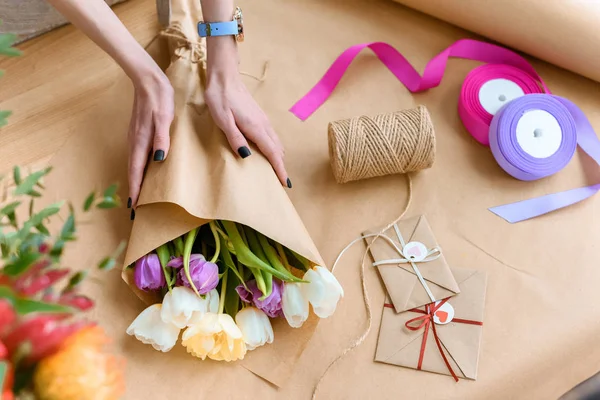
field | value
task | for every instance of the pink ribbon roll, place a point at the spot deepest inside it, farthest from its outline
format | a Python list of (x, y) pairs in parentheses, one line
[(477, 117)]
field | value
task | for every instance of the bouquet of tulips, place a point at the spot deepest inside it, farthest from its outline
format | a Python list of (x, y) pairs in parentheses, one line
[(221, 284), (47, 350)]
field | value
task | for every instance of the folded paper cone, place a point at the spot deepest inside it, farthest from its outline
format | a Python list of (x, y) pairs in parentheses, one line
[(202, 179)]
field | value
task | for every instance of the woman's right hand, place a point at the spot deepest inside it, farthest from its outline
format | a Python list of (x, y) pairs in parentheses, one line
[(152, 114)]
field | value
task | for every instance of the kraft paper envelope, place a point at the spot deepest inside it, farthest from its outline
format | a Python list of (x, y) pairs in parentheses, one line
[(460, 338), (401, 281)]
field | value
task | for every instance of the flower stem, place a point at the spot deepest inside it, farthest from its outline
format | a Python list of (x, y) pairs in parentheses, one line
[(217, 241), (163, 256), (282, 255), (178, 242), (187, 252), (223, 292)]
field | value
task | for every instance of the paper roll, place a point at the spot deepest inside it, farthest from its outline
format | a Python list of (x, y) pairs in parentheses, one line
[(564, 33)]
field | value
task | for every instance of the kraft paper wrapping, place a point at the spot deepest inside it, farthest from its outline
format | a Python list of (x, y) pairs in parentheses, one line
[(541, 313), (564, 33)]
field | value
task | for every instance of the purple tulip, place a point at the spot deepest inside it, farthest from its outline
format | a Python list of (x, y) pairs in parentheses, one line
[(271, 305), (204, 274), (148, 274)]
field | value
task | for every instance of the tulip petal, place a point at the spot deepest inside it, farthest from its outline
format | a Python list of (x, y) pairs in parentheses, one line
[(149, 328), (180, 305), (294, 304)]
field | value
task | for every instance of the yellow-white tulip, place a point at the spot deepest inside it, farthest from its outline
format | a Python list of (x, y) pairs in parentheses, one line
[(149, 328), (215, 336), (294, 304), (323, 291), (255, 326)]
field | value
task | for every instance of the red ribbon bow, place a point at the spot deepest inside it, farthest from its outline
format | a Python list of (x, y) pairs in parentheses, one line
[(426, 321)]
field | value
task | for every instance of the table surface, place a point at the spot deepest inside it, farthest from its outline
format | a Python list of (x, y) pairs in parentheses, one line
[(60, 74)]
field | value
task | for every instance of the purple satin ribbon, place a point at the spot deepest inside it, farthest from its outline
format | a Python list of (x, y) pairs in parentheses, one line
[(576, 130)]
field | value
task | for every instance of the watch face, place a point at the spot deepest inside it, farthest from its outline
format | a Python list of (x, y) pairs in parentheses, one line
[(240, 21)]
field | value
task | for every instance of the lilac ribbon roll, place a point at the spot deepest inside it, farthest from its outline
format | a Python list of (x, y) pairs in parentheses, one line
[(536, 136)]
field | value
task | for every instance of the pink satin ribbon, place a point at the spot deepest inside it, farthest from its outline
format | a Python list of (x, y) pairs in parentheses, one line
[(406, 73)]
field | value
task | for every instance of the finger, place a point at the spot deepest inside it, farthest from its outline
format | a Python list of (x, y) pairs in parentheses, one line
[(236, 139), (275, 138), (275, 156), (138, 158), (162, 140)]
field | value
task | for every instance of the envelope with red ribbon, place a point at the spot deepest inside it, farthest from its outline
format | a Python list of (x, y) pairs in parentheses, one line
[(411, 264), (442, 337)]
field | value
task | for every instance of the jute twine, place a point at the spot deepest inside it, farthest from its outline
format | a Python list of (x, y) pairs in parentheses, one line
[(365, 147)]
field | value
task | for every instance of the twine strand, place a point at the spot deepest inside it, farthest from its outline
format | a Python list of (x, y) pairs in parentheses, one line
[(366, 298)]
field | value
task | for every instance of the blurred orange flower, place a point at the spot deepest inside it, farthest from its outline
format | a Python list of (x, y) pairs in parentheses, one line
[(81, 370)]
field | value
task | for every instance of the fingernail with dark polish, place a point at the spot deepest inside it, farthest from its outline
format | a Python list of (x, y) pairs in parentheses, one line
[(289, 183), (129, 202), (159, 155), (132, 217), (244, 152)]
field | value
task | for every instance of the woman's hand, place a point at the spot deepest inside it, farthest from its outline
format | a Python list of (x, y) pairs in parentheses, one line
[(152, 114), (235, 111)]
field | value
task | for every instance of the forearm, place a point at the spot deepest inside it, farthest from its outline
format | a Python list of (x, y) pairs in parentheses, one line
[(100, 24), (222, 55)]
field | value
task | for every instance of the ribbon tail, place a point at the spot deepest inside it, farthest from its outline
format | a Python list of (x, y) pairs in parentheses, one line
[(527, 209)]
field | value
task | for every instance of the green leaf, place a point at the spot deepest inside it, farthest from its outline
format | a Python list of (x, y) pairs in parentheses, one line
[(30, 181), (6, 42), (111, 190), (68, 229), (225, 256), (17, 175), (107, 202), (246, 257), (42, 229), (47, 212), (27, 306), (57, 249), (34, 193), (117, 253), (76, 279), (7, 293), (3, 372), (107, 263), (31, 208), (21, 264), (89, 201), (10, 208)]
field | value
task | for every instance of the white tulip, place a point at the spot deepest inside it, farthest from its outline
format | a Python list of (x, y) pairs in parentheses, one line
[(255, 326), (294, 304), (182, 306), (323, 291), (149, 328)]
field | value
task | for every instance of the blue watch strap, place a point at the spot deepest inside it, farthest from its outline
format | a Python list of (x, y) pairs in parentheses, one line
[(217, 28)]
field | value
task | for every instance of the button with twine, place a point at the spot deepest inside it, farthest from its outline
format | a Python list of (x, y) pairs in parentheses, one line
[(385, 144)]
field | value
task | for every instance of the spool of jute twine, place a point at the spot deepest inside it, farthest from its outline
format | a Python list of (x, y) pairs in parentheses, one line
[(369, 146), (365, 147)]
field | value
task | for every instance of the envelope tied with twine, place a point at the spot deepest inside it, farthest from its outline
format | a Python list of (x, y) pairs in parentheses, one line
[(411, 264), (442, 337)]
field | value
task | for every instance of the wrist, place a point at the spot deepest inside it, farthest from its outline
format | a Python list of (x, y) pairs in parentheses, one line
[(222, 56)]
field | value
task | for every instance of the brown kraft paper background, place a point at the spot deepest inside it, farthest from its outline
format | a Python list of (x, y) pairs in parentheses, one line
[(562, 32), (541, 313)]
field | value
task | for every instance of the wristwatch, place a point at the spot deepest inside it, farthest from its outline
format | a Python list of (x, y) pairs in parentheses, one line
[(235, 27)]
